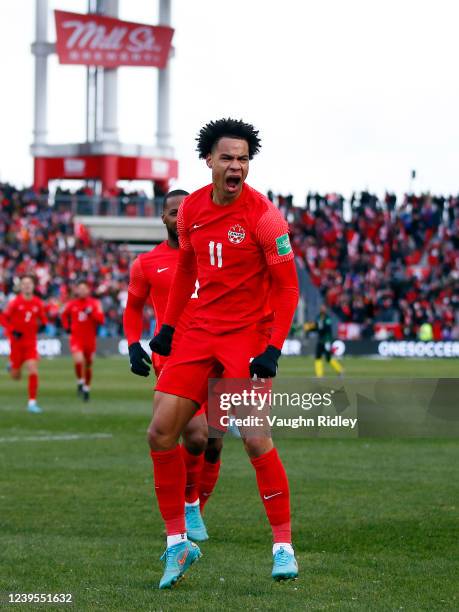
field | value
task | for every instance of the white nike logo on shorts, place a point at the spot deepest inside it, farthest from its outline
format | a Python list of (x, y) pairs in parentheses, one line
[(161, 269)]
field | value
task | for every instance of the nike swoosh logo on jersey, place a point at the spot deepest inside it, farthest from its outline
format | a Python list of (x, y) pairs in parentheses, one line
[(273, 495), (161, 269), (196, 226)]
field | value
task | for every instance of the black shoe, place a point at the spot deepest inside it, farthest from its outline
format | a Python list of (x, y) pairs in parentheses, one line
[(85, 395), (80, 390)]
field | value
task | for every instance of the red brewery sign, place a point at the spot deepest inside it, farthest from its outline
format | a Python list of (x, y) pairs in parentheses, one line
[(94, 40)]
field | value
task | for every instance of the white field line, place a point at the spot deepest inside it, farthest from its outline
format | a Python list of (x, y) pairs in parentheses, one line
[(61, 437)]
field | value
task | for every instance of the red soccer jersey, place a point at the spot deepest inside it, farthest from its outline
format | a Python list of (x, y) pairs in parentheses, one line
[(151, 276), (82, 316), (233, 246), (25, 316)]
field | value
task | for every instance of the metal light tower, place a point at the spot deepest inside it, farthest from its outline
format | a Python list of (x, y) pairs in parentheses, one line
[(102, 157), (163, 136)]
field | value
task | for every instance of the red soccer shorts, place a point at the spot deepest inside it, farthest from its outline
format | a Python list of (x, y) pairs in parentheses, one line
[(201, 355), (22, 351), (83, 345), (159, 361)]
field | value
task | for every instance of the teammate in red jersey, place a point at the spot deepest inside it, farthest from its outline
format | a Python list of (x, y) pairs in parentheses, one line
[(24, 317), (150, 278), (232, 239), (81, 318)]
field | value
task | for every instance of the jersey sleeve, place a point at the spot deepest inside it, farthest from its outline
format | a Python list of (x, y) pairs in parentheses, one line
[(272, 235), (132, 318), (98, 313), (66, 317), (284, 300), (184, 237), (138, 284), (8, 314)]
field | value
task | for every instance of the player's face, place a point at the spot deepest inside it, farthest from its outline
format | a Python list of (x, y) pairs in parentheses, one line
[(229, 162), (169, 215), (27, 287), (82, 290)]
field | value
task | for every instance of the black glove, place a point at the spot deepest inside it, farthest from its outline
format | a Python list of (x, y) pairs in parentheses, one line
[(162, 342), (17, 334), (265, 365), (139, 359)]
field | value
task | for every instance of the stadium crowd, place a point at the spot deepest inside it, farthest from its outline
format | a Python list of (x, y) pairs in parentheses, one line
[(385, 263), (373, 261), (44, 240)]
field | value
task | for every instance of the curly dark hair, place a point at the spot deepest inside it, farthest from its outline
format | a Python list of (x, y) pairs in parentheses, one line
[(211, 133)]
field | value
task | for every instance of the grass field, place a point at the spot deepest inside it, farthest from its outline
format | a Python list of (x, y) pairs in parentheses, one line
[(375, 521)]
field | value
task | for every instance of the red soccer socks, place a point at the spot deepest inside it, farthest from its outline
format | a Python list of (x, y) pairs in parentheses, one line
[(193, 467), (274, 492), (170, 479), (207, 482)]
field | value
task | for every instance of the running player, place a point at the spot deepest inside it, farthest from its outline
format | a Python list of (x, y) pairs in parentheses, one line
[(81, 317), (323, 327), (150, 278), (24, 317), (232, 239)]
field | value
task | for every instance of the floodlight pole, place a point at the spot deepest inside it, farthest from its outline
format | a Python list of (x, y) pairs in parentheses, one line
[(41, 52), (110, 102), (163, 135)]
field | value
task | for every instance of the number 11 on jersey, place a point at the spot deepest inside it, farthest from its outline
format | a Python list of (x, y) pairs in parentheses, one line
[(215, 247)]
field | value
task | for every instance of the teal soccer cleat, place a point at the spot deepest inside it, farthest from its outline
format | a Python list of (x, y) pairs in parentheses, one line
[(34, 408), (285, 565), (195, 527), (178, 559)]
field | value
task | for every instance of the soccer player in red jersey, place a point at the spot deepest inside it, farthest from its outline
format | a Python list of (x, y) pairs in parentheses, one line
[(24, 317), (81, 317), (150, 278), (232, 239)]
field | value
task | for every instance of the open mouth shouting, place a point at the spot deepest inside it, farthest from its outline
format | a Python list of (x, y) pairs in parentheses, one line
[(233, 182)]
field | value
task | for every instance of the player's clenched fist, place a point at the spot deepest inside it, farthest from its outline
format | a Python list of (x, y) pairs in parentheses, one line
[(139, 359), (162, 342), (265, 365)]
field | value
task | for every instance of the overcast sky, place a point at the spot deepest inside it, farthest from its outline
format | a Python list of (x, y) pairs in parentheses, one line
[(347, 94)]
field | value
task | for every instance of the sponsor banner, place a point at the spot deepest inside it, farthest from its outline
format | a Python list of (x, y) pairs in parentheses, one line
[(54, 347), (47, 347), (405, 349), (413, 348), (96, 40), (333, 408)]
